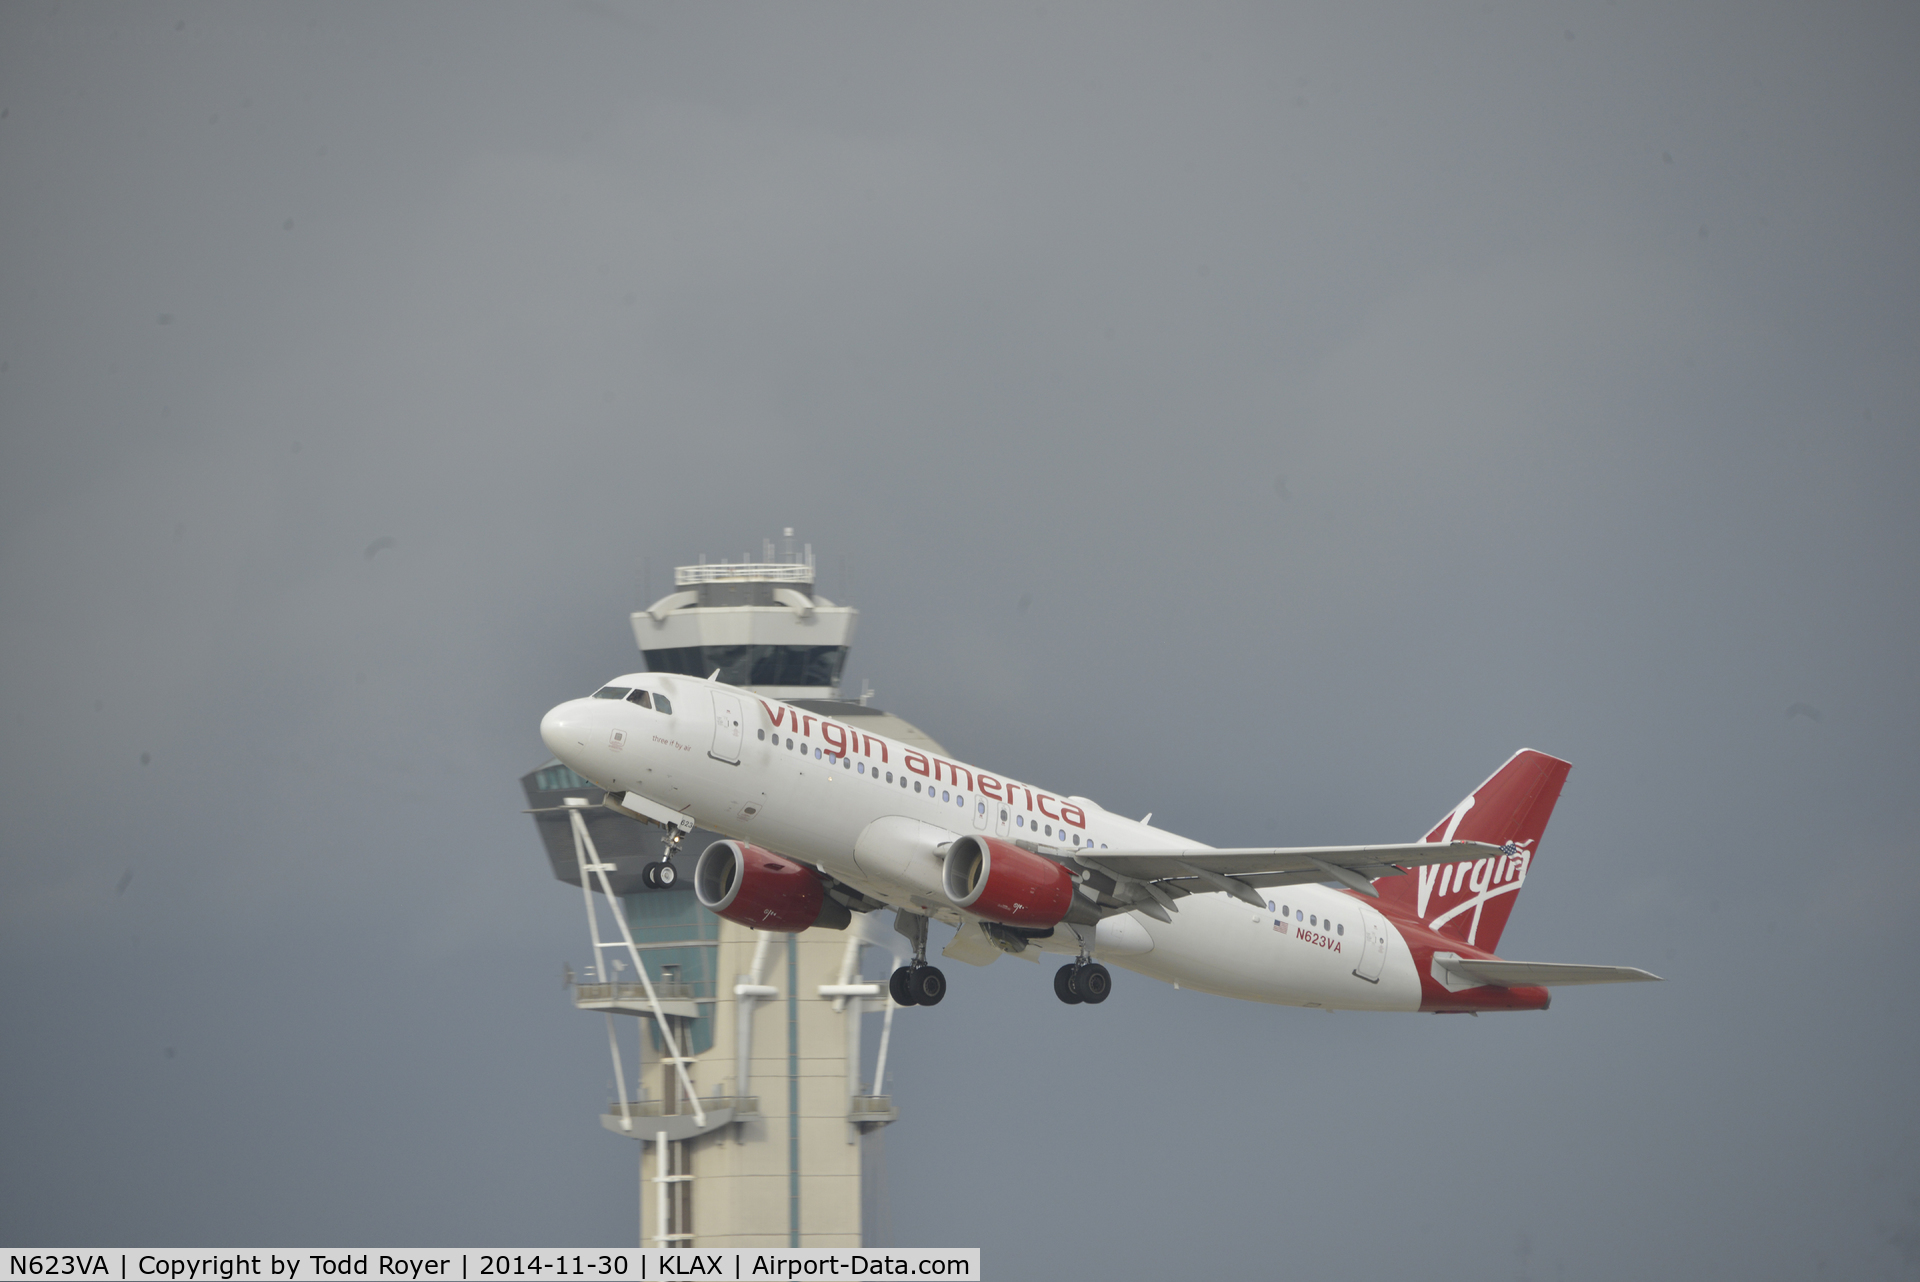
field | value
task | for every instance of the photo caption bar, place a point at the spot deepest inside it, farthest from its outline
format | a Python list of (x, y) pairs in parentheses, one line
[(465, 1264)]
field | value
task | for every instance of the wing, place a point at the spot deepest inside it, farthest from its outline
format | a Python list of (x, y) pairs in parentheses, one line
[(1512, 974), (1160, 876)]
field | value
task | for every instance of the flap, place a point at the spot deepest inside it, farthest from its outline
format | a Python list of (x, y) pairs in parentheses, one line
[(1282, 865), (971, 945)]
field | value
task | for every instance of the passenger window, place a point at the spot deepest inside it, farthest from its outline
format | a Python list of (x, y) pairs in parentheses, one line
[(763, 735), (789, 745), (612, 692), (889, 776), (945, 795), (981, 808), (1019, 821), (660, 704), (1341, 929), (861, 768), (916, 785), (640, 697), (1313, 921)]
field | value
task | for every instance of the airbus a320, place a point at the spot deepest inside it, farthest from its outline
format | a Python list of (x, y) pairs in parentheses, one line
[(821, 821)]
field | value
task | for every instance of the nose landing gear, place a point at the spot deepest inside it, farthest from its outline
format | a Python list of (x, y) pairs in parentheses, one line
[(661, 875)]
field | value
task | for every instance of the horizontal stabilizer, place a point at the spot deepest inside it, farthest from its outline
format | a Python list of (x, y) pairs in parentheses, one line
[(1514, 974)]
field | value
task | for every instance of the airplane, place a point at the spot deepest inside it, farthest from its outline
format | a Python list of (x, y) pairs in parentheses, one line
[(821, 820)]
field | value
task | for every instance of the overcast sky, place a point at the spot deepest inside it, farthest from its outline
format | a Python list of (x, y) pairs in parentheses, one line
[(1267, 416)]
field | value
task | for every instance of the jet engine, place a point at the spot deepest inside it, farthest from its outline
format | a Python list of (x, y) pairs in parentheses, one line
[(1004, 883), (760, 889)]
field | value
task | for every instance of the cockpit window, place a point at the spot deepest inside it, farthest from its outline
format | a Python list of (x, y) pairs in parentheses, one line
[(660, 704), (639, 697), (612, 692)]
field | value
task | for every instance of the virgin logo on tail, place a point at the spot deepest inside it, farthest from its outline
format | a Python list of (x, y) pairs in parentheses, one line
[(1476, 882), (1509, 812)]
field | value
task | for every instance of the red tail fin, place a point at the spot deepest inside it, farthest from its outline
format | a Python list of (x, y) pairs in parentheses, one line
[(1471, 901)]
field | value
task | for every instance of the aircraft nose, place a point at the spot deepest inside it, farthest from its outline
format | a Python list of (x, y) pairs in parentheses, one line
[(561, 730)]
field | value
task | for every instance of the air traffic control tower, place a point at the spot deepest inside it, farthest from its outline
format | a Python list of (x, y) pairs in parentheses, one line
[(751, 1066)]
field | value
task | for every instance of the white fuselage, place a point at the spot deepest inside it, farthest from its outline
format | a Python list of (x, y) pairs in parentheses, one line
[(874, 812)]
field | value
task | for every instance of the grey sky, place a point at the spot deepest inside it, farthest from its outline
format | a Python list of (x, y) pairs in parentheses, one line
[(1270, 417)]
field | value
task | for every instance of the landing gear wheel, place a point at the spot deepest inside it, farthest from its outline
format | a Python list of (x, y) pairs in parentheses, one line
[(1063, 985), (647, 876), (929, 985), (900, 985), (1093, 983), (664, 875)]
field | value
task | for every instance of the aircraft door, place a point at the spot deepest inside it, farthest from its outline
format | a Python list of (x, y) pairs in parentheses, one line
[(1373, 945), (980, 807), (1002, 816), (727, 727)]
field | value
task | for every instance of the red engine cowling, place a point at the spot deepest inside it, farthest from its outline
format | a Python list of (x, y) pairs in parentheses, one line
[(1006, 884), (760, 889)]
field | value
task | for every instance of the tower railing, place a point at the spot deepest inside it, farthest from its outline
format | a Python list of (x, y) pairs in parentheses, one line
[(687, 576)]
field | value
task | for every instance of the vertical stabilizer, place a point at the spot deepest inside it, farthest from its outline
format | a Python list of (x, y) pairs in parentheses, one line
[(1471, 900)]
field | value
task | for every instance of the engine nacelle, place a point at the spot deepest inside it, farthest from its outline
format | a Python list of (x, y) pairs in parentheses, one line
[(1004, 883), (760, 889)]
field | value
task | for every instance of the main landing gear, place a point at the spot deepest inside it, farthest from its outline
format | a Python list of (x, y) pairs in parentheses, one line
[(918, 984), (1082, 981)]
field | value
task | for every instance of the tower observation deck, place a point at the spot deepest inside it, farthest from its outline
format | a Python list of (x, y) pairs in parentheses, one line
[(759, 1127), (761, 624)]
